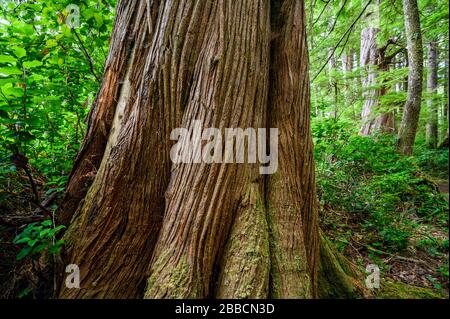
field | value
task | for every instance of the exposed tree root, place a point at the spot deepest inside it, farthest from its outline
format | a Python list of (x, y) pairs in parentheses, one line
[(338, 278)]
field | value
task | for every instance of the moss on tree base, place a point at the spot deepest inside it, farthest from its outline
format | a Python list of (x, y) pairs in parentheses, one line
[(399, 290)]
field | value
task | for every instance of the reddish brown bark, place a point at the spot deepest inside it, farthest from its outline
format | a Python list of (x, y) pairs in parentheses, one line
[(120, 216), (292, 207), (102, 113), (192, 229)]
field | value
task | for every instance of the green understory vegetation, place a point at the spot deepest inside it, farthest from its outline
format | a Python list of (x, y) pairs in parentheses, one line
[(379, 206)]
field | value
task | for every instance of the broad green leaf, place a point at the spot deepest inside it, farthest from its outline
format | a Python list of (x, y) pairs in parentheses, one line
[(32, 242), (7, 59), (8, 80), (23, 253), (98, 19), (47, 222), (44, 232), (14, 91), (51, 43), (37, 77), (40, 248), (19, 52), (32, 64), (10, 70), (22, 240)]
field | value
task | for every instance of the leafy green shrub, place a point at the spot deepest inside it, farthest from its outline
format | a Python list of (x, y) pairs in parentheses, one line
[(365, 176), (38, 236), (395, 238), (443, 271), (431, 161)]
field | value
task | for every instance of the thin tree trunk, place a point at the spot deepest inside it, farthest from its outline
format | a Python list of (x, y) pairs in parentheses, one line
[(432, 121), (411, 110), (347, 68), (445, 116), (333, 83)]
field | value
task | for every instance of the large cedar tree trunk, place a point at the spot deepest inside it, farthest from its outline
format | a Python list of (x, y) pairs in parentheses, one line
[(141, 226)]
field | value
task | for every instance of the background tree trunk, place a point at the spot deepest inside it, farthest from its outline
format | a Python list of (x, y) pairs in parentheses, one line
[(373, 60), (445, 117), (368, 57), (432, 121), (333, 83), (201, 230), (411, 110), (347, 68)]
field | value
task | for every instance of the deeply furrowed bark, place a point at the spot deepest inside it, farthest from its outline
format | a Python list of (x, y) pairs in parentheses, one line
[(227, 94), (196, 230), (291, 201), (102, 113), (121, 215)]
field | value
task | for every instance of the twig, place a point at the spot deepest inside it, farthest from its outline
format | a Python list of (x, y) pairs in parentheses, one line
[(35, 192), (21, 161), (323, 10), (33, 185), (21, 220), (337, 17), (417, 261), (88, 57), (342, 38), (46, 202)]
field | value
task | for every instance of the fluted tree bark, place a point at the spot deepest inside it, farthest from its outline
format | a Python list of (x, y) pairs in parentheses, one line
[(143, 226)]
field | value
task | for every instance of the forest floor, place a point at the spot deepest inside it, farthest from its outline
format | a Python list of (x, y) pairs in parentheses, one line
[(17, 277), (443, 188), (420, 264)]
